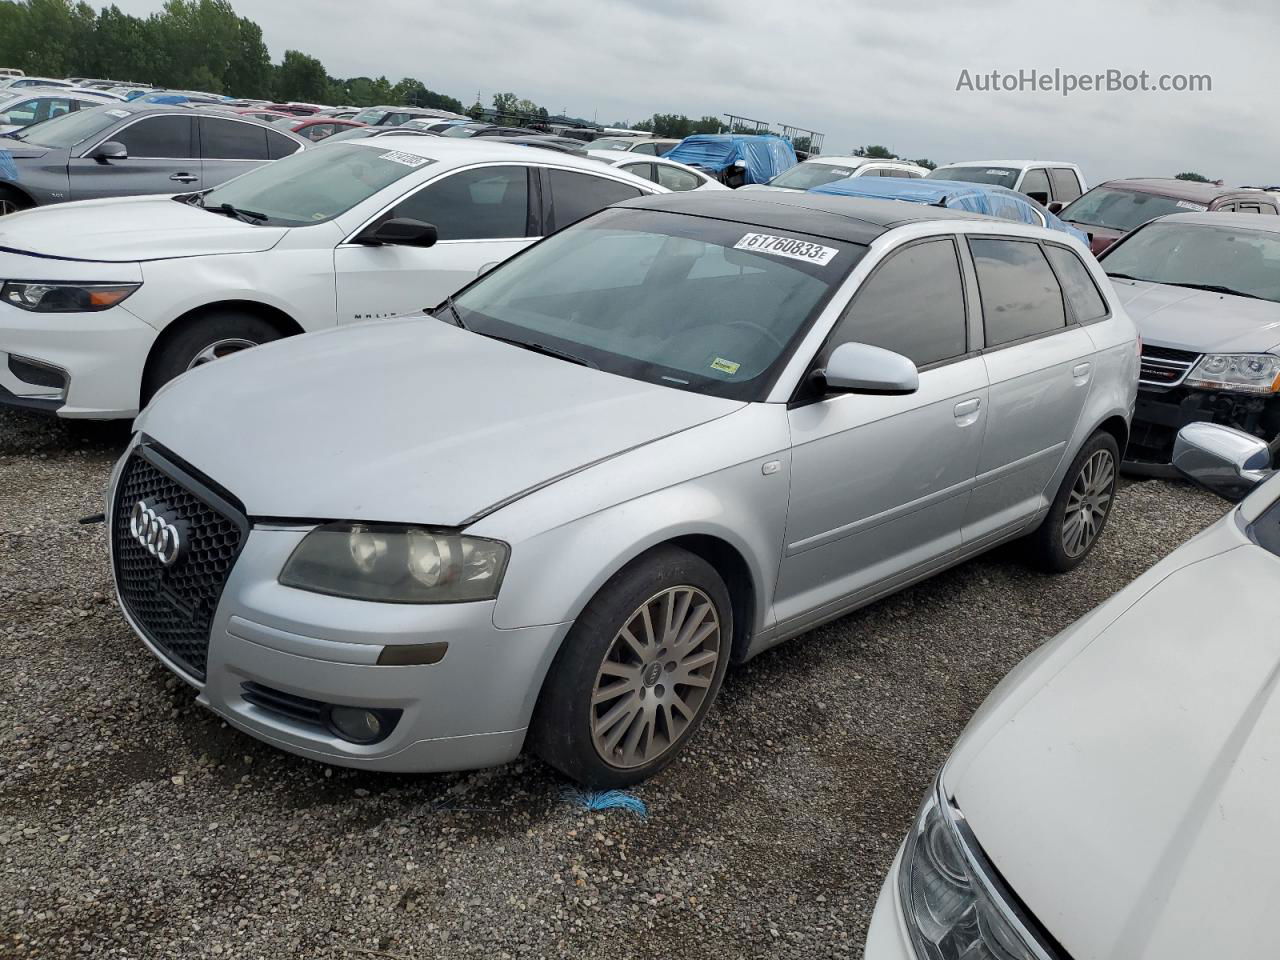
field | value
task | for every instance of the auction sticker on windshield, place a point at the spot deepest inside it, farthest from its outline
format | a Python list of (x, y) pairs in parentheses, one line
[(1190, 205), (787, 247), (408, 159)]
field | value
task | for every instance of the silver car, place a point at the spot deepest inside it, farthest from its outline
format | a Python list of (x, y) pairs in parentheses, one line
[(655, 443)]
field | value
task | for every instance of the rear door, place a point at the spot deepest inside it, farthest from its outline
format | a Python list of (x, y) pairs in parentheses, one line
[(1040, 366), (573, 194), (1065, 184), (483, 215), (163, 158), (231, 147)]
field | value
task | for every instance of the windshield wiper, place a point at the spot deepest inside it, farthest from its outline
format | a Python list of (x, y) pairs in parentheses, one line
[(544, 349), (247, 216), (1217, 288), (457, 317), (1125, 276)]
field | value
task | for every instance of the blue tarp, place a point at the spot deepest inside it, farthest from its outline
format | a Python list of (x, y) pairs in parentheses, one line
[(8, 169), (765, 157), (986, 198), (168, 98)]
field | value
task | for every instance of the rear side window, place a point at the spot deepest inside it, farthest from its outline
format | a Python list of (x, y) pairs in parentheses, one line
[(913, 304), (578, 195), (1036, 181), (648, 148), (1066, 186), (673, 178), (232, 140), (158, 138), (1082, 293), (491, 203), (278, 145), (643, 170), (1020, 295)]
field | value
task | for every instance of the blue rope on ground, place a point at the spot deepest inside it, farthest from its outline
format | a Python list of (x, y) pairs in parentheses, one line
[(607, 800)]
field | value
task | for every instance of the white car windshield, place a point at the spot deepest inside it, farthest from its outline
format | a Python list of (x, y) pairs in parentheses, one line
[(813, 174), (315, 185), (706, 305), (1219, 259)]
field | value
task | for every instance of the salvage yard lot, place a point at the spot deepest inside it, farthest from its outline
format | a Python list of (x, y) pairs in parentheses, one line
[(135, 824)]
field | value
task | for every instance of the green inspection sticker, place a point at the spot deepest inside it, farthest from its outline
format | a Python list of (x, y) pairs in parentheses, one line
[(725, 366)]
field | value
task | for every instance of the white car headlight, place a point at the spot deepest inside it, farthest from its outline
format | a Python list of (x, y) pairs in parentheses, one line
[(1237, 372), (65, 297), (392, 563), (950, 905)]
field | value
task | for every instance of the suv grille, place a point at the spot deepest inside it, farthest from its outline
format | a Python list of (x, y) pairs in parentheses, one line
[(174, 604), (1164, 366)]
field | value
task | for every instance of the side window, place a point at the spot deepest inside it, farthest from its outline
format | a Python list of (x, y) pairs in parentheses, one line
[(914, 175), (1020, 295), (673, 178), (1249, 207), (1225, 208), (874, 172), (279, 145), (901, 174), (1036, 182), (1266, 208), (649, 149), (578, 195), (913, 304), (490, 203), (1082, 293), (158, 138), (232, 140), (1066, 186), (644, 170)]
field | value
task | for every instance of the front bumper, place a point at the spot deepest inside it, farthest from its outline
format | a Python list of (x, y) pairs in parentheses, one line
[(98, 357), (1160, 414), (887, 937), (469, 710)]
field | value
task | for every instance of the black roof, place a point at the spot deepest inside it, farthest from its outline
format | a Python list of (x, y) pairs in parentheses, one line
[(853, 219)]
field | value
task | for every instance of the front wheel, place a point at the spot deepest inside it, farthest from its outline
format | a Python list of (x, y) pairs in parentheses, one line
[(11, 201), (208, 338), (1081, 507), (638, 671)]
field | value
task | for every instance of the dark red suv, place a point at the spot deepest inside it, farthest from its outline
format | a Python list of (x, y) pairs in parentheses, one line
[(1110, 210)]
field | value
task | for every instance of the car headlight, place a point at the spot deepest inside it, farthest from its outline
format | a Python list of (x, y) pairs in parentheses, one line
[(950, 907), (396, 564), (1237, 372), (65, 297)]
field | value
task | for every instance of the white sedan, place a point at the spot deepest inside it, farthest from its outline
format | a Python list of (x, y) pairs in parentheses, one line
[(1115, 795), (104, 301), (676, 177)]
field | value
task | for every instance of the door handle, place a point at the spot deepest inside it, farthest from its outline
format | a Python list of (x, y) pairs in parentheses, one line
[(184, 177), (966, 407), (1081, 371)]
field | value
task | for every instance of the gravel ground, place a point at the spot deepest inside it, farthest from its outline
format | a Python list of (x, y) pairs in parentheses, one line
[(135, 824)]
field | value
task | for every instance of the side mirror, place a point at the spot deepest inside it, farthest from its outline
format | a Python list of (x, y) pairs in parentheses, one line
[(862, 368), (400, 231), (1057, 206), (1227, 461), (111, 150), (1039, 196)]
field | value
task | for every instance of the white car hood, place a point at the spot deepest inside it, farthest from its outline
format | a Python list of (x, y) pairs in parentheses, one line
[(409, 420), (1198, 320), (1130, 799), (130, 229)]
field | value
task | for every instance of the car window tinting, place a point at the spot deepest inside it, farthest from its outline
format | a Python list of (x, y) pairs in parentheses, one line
[(1066, 186), (663, 298), (232, 140), (158, 138), (1177, 252), (1082, 293), (1020, 295), (278, 145), (578, 195), (1036, 182), (489, 203), (913, 304), (673, 178), (642, 170)]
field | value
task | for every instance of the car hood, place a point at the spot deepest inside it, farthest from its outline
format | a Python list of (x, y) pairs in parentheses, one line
[(1099, 237), (131, 229), (408, 420), (19, 151), (1129, 801), (1198, 320)]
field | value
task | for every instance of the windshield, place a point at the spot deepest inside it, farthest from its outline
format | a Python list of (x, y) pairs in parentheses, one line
[(71, 128), (463, 130), (1223, 258), (1000, 176), (315, 185), (613, 143), (372, 115), (812, 174), (1123, 209), (685, 302)]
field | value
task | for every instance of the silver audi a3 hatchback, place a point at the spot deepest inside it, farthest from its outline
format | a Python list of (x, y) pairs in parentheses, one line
[(557, 508)]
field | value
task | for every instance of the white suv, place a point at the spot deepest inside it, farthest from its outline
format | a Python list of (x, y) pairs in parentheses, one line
[(816, 171), (105, 301)]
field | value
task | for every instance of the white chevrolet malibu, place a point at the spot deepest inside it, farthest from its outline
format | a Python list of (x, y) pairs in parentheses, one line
[(1115, 795), (103, 302)]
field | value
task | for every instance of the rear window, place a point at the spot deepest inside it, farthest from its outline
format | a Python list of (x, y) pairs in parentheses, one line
[(1000, 176), (812, 174), (1119, 209)]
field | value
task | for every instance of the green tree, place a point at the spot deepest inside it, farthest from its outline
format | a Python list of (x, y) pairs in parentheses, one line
[(708, 124), (927, 164), (300, 77), (1193, 177), (876, 152)]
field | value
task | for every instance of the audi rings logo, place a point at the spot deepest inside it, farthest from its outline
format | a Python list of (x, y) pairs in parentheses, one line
[(161, 537)]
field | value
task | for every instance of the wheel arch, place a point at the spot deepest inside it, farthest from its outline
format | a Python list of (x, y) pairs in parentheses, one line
[(1118, 427), (13, 188)]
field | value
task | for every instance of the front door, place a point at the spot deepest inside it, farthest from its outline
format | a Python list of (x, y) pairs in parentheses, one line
[(163, 158), (880, 484)]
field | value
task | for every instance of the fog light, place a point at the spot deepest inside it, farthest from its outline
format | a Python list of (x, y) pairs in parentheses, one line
[(358, 724)]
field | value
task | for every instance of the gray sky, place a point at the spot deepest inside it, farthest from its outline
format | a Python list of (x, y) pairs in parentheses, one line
[(861, 72)]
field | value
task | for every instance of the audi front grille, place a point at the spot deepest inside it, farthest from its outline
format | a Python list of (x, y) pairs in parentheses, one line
[(173, 599), (1164, 366)]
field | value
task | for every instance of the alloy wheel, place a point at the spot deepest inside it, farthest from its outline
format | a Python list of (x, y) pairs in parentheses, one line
[(8, 206), (655, 677), (1088, 503), (219, 349)]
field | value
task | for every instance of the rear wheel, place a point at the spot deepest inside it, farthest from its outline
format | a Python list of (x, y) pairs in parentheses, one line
[(1081, 508), (11, 201), (638, 671), (209, 338)]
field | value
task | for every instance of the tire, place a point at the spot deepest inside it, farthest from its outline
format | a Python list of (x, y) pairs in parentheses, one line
[(1067, 534), (212, 336), (574, 734), (11, 201)]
